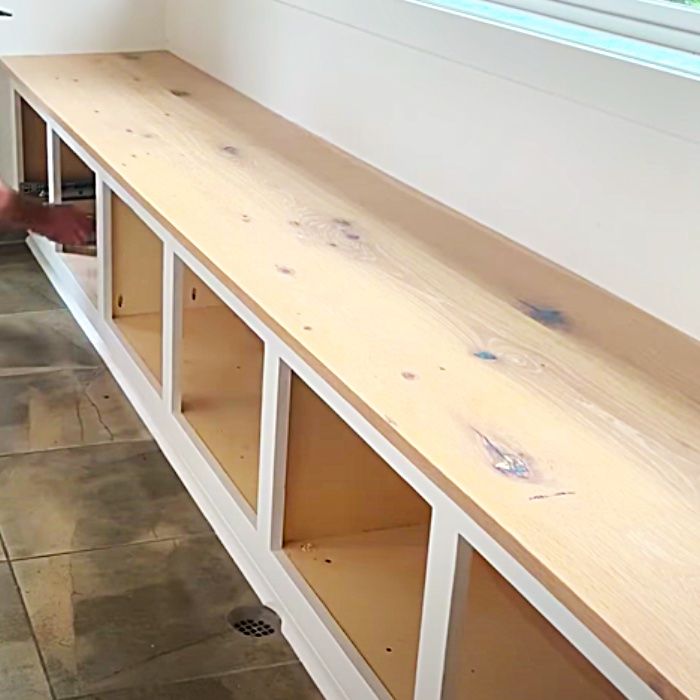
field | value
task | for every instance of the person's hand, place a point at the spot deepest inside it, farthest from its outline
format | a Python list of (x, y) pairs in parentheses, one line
[(61, 223)]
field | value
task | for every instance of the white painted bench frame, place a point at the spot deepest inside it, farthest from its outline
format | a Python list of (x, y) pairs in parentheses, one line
[(255, 541)]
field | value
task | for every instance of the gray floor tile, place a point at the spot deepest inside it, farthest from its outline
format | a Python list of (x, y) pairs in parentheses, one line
[(21, 675), (89, 497), (43, 340), (10, 234), (15, 251), (144, 614), (64, 409), (23, 285), (288, 682)]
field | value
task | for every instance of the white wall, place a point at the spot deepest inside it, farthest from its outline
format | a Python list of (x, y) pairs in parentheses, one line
[(592, 161), (72, 26)]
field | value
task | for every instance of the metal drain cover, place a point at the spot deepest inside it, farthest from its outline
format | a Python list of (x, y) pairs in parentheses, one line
[(254, 621)]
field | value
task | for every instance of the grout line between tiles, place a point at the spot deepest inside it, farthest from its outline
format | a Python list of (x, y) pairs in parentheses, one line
[(182, 681), (118, 545), (73, 447), (27, 371), (59, 309), (85, 446), (40, 656)]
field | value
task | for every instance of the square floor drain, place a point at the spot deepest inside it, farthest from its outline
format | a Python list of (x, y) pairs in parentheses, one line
[(254, 621)]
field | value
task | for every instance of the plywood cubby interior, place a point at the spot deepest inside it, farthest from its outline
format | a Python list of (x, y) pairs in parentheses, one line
[(501, 647), (358, 534), (137, 285), (34, 155), (221, 383)]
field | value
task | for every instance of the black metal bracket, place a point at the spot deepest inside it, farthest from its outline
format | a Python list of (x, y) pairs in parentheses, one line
[(70, 191)]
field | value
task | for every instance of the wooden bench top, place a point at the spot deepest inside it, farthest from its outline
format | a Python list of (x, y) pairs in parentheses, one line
[(563, 420)]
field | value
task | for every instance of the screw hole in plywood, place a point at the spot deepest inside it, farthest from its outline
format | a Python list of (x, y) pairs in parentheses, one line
[(120, 301), (254, 621), (194, 294)]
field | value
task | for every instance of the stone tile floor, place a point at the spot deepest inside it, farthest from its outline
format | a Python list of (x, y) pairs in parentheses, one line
[(112, 585)]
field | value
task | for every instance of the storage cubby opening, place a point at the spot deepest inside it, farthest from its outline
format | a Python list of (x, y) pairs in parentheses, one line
[(78, 180), (137, 285), (78, 190), (34, 157), (500, 646), (358, 534), (221, 383)]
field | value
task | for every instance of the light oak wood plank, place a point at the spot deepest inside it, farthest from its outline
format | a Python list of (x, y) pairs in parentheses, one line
[(564, 421)]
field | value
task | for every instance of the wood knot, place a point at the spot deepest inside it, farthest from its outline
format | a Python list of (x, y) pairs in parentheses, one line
[(505, 462), (547, 316)]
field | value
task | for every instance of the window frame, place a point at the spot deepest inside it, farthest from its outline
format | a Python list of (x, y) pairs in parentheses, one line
[(656, 21), (439, 27)]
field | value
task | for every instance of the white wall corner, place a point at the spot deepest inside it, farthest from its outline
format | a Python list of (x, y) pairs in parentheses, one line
[(39, 27)]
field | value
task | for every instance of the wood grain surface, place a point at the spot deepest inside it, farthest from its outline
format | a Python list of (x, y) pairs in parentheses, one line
[(566, 422)]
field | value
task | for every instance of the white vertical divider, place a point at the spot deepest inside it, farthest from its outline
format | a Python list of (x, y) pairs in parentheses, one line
[(172, 327), (17, 139), (103, 213), (274, 427), (53, 176), (441, 574), (53, 163)]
